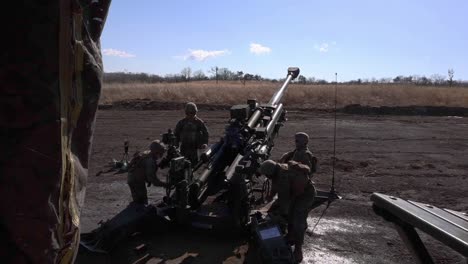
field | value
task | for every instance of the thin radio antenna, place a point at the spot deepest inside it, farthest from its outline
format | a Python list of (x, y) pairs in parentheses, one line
[(332, 193), (334, 135)]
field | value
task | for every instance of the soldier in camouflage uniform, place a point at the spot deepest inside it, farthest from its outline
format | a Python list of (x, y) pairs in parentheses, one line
[(191, 134), (302, 153), (142, 169), (295, 198)]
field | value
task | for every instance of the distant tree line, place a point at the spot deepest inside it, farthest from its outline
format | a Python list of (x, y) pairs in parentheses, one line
[(224, 74), (186, 75)]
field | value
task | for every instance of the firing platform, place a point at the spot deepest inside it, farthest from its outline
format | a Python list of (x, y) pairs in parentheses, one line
[(448, 226)]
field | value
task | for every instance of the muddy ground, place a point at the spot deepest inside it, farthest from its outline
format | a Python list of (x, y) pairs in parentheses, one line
[(422, 158)]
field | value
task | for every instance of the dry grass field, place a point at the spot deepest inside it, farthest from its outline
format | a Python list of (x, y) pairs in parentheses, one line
[(298, 95)]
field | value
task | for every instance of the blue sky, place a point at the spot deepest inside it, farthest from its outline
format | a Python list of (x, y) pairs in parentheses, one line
[(356, 39)]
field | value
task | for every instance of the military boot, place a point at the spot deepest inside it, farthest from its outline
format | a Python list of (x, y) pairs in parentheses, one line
[(298, 253)]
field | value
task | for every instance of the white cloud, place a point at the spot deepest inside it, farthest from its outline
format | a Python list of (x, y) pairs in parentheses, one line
[(201, 55), (117, 53), (257, 49), (324, 47)]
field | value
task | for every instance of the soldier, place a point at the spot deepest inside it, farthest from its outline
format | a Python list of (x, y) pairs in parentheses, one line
[(142, 169), (295, 198), (302, 153), (191, 133)]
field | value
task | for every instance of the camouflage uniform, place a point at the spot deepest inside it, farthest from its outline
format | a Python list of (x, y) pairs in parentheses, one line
[(143, 171), (301, 154), (51, 74), (296, 195), (191, 133)]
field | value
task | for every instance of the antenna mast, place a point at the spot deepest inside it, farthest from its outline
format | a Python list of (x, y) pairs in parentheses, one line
[(334, 136)]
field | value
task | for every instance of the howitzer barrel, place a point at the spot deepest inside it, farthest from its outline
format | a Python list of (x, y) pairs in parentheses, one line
[(253, 120), (274, 120), (293, 72), (232, 167)]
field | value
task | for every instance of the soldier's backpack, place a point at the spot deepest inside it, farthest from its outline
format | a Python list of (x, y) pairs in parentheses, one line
[(137, 158)]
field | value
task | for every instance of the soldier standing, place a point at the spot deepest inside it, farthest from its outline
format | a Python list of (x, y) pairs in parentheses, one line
[(302, 153), (191, 133), (142, 169), (295, 198)]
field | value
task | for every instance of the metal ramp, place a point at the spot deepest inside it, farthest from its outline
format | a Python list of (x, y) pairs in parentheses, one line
[(447, 226)]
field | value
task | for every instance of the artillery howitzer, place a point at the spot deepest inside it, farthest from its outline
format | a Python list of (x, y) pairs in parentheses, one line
[(227, 168), (225, 174)]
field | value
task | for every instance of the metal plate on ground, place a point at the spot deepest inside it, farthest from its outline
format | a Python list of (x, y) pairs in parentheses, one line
[(448, 226)]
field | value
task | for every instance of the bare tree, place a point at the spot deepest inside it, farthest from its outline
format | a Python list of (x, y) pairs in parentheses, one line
[(186, 73), (247, 77), (239, 75), (225, 74), (450, 76), (398, 79), (302, 79), (385, 80), (199, 75), (214, 70), (421, 80), (437, 79)]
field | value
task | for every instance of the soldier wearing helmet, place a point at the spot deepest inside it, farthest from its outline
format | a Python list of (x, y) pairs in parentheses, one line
[(302, 153), (142, 169), (191, 133), (295, 198)]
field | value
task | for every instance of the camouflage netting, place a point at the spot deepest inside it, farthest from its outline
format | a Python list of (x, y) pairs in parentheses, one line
[(50, 76)]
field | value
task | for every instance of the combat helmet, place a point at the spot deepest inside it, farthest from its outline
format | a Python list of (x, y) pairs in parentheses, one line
[(268, 168), (302, 139), (157, 146), (191, 108)]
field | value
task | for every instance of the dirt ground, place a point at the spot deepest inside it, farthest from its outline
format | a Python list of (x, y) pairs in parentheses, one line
[(421, 158)]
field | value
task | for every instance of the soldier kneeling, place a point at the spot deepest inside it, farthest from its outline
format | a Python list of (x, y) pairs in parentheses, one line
[(295, 198), (142, 169)]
